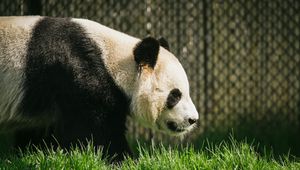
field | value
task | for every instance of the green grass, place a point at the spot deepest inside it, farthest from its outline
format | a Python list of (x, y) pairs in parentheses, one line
[(226, 155)]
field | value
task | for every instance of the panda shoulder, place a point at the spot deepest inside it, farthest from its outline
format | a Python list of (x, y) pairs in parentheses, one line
[(93, 27), (25, 22)]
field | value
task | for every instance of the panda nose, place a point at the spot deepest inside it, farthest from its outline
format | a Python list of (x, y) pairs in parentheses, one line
[(192, 121)]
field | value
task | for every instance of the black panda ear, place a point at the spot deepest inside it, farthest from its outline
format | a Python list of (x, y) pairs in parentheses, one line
[(164, 43), (146, 52)]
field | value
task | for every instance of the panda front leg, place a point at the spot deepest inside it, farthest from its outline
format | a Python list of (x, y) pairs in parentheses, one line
[(86, 126), (118, 147)]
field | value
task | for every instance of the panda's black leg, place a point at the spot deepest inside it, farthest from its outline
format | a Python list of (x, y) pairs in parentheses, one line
[(119, 148), (72, 132), (102, 134), (23, 138), (40, 137)]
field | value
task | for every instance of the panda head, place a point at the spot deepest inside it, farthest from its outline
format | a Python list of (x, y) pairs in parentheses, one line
[(161, 97)]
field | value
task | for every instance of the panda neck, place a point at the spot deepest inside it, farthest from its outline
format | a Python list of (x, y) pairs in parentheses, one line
[(117, 49)]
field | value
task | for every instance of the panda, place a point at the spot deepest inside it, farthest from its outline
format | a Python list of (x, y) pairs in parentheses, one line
[(82, 79)]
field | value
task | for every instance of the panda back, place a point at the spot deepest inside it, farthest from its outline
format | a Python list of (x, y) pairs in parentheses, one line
[(62, 68)]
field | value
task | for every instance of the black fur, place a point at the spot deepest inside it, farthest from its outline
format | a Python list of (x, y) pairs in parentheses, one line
[(173, 98), (66, 80), (146, 52), (164, 43)]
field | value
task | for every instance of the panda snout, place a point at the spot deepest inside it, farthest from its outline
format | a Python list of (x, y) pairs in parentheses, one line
[(182, 126), (173, 126), (192, 121)]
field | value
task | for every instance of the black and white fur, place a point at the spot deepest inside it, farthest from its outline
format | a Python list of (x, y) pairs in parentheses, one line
[(81, 79)]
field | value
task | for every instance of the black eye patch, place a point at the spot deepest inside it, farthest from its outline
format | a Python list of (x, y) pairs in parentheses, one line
[(173, 98)]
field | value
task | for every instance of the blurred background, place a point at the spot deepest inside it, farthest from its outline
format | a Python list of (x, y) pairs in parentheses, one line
[(242, 58)]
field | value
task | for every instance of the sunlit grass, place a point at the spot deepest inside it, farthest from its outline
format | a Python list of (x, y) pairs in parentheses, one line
[(226, 155)]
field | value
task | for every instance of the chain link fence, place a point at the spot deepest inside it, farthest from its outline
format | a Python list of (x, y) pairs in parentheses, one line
[(242, 57)]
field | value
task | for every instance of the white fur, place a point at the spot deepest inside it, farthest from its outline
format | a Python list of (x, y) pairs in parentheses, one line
[(154, 87), (117, 52), (150, 89), (14, 33)]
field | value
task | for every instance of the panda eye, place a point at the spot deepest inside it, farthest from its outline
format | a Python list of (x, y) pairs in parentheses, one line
[(173, 98)]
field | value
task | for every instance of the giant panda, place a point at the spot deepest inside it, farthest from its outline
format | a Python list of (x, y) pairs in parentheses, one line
[(83, 79)]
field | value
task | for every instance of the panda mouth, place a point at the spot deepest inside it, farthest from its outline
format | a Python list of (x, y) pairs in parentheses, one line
[(173, 126)]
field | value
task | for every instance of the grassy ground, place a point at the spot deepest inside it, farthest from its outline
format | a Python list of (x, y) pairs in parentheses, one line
[(226, 155)]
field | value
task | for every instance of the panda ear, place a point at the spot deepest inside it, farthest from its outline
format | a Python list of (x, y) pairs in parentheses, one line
[(146, 52), (164, 43)]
